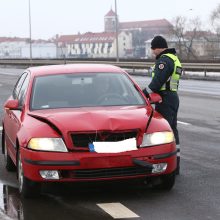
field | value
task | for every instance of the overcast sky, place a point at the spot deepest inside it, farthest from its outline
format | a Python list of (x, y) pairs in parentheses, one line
[(51, 17)]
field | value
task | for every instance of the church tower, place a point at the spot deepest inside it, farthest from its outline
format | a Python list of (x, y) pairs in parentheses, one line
[(110, 21)]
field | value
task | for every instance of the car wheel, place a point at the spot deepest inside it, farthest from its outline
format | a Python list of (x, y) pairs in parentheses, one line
[(178, 166), (9, 164), (27, 188), (12, 204), (166, 182)]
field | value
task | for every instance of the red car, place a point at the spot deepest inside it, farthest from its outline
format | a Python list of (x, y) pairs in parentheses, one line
[(84, 122)]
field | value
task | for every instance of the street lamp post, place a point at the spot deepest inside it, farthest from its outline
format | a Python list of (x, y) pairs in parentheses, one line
[(30, 30), (116, 31)]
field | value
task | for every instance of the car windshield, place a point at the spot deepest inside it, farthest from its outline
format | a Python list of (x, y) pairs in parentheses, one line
[(81, 90)]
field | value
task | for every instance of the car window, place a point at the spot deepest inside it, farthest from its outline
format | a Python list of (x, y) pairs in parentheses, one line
[(81, 90), (18, 85), (23, 90)]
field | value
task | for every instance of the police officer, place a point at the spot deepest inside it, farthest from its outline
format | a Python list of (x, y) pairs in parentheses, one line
[(165, 81)]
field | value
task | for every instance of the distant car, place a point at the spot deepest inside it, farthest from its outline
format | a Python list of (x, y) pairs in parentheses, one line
[(84, 122)]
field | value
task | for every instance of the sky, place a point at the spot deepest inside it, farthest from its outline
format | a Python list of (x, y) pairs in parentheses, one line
[(51, 17)]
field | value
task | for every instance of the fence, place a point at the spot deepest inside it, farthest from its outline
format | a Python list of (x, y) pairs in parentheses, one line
[(131, 65)]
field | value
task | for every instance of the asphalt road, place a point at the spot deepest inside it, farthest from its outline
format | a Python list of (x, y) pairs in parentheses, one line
[(195, 195)]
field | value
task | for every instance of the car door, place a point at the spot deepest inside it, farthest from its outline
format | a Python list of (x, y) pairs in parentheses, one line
[(12, 119)]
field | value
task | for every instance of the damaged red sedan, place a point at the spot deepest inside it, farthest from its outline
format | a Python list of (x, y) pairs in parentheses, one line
[(84, 122)]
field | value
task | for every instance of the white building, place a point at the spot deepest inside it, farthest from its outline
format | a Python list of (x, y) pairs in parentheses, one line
[(20, 48), (95, 45), (40, 50), (11, 49)]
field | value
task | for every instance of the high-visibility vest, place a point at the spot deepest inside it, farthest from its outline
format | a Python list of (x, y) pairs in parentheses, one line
[(173, 81)]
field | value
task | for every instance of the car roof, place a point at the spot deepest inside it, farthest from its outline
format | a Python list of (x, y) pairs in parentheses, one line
[(74, 68)]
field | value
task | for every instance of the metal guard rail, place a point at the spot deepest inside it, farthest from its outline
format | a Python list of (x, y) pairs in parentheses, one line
[(204, 67)]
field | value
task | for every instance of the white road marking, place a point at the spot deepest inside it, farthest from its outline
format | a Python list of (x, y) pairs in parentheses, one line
[(117, 210), (183, 123)]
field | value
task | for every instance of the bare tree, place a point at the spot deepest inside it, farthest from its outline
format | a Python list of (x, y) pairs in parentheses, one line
[(214, 43), (215, 20), (187, 32), (179, 25), (194, 34)]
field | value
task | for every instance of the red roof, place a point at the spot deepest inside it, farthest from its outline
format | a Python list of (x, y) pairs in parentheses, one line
[(19, 39), (12, 39), (66, 38), (89, 37), (111, 13), (144, 24)]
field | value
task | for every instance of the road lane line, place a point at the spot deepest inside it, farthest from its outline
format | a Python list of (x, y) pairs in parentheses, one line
[(183, 123), (117, 210)]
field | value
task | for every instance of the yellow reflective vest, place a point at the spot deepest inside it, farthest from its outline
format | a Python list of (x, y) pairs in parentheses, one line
[(173, 81)]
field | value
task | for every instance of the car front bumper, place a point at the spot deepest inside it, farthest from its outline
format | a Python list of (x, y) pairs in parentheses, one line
[(91, 166)]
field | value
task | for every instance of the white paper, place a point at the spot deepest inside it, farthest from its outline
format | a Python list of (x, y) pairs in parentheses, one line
[(115, 147)]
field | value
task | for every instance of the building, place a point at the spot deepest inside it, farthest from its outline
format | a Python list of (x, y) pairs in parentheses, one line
[(140, 30), (110, 21), (172, 41), (196, 45), (203, 44), (20, 48), (95, 45), (12, 47), (40, 49), (149, 27)]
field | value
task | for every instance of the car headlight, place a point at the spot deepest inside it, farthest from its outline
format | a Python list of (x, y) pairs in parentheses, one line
[(47, 144), (157, 138)]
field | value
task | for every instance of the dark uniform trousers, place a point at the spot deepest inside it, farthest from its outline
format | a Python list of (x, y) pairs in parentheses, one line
[(168, 108)]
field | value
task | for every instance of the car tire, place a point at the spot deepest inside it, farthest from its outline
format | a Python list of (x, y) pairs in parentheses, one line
[(12, 205), (166, 182), (178, 166), (9, 164), (27, 188)]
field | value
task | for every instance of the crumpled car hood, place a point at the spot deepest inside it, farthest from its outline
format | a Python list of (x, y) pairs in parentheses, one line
[(96, 119)]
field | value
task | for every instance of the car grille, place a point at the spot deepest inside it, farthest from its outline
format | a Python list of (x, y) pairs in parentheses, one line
[(106, 173), (83, 140)]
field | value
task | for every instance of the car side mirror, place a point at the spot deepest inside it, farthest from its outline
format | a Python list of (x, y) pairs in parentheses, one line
[(12, 104), (155, 98)]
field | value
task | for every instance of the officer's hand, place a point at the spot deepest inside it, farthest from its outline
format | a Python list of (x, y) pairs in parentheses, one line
[(146, 93)]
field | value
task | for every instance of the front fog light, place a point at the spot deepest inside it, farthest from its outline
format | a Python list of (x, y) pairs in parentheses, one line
[(50, 174), (159, 167)]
